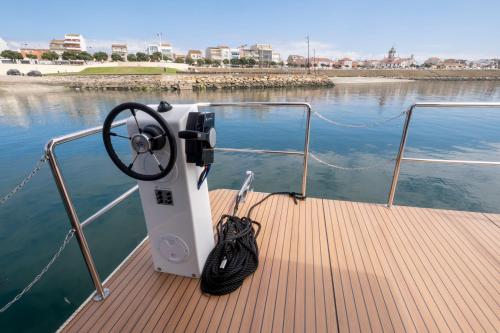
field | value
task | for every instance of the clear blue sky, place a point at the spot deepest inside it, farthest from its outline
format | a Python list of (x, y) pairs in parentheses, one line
[(362, 28)]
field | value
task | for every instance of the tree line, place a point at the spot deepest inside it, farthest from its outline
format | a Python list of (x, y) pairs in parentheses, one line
[(139, 56)]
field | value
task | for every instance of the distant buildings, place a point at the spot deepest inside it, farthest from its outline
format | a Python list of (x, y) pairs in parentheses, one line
[(235, 54), (276, 57), (164, 48), (432, 62), (248, 53), (34, 52), (258, 54), (120, 49), (318, 62), (370, 64), (486, 64), (71, 42), (321, 62), (74, 42), (218, 53), (264, 53), (194, 55), (261, 53), (345, 63), (57, 46), (296, 60), (180, 57), (392, 61), (453, 64), (437, 63)]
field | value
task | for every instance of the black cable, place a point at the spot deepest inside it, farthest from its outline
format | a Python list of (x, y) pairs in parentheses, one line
[(203, 175), (236, 254)]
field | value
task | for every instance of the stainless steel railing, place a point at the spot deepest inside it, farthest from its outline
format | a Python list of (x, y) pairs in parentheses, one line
[(305, 153), (400, 158), (101, 292)]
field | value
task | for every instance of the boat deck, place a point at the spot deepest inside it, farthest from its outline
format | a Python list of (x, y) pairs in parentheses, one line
[(326, 266)]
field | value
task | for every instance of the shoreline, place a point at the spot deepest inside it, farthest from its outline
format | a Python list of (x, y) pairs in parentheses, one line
[(201, 82), (366, 80), (177, 82)]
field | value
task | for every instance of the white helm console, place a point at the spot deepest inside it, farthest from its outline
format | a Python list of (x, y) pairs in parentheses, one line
[(172, 151)]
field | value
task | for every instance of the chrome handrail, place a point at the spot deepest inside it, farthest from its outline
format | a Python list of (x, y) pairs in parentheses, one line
[(101, 292), (400, 158)]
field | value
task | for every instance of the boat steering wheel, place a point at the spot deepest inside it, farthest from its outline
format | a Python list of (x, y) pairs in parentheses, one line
[(146, 141)]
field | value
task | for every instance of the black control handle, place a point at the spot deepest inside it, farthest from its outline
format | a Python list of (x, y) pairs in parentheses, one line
[(193, 135)]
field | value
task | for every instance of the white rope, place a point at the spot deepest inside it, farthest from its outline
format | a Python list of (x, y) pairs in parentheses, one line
[(317, 159), (378, 123)]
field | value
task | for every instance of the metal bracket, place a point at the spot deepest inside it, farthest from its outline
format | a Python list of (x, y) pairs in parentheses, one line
[(99, 298), (245, 188)]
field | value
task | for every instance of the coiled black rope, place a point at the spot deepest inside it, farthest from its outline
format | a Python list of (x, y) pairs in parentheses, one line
[(236, 254)]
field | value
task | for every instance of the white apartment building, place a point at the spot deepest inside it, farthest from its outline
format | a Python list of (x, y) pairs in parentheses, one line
[(194, 55), (249, 54), (74, 42), (235, 54), (345, 63), (57, 46), (152, 48), (264, 51), (219, 53), (120, 49), (276, 57), (165, 49), (259, 52)]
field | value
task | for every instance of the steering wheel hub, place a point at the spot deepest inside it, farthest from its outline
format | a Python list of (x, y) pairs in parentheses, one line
[(140, 143)]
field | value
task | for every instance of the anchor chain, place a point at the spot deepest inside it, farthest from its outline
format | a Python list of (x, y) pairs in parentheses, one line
[(25, 181), (67, 239)]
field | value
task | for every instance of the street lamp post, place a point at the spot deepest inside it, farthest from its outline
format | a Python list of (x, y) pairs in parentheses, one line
[(315, 68), (159, 47), (308, 59)]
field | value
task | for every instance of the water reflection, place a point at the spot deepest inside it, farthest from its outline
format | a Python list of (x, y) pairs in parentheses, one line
[(88, 107)]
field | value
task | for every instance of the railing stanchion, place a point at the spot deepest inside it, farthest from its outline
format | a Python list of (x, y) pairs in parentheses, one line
[(101, 292), (399, 158), (306, 150)]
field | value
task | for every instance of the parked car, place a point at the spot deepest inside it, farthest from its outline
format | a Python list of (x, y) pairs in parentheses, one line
[(13, 72), (34, 73)]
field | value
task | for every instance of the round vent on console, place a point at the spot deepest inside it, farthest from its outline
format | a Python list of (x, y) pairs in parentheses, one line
[(173, 248)]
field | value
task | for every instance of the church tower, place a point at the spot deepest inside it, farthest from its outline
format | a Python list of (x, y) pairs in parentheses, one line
[(392, 53)]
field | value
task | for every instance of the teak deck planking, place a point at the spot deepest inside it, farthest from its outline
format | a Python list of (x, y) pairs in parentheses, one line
[(325, 266)]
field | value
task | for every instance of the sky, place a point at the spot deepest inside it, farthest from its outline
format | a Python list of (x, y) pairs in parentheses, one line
[(361, 29)]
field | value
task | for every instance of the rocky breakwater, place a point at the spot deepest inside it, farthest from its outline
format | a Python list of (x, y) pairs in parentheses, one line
[(258, 81), (188, 82)]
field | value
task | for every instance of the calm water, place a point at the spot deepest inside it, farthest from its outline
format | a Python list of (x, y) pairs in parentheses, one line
[(34, 223)]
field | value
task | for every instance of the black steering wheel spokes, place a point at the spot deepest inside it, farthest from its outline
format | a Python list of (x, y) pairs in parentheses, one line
[(132, 110), (157, 160), (146, 141), (119, 136)]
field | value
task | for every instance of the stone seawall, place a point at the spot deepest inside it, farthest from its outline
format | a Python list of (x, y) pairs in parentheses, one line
[(186, 82), (412, 74)]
